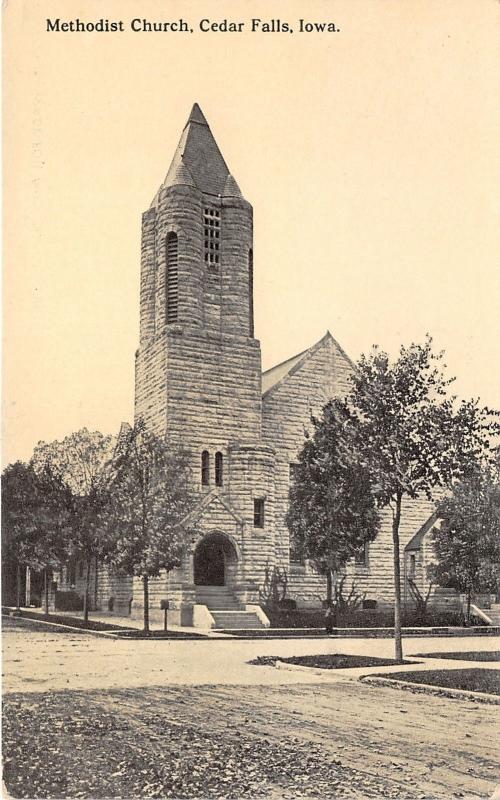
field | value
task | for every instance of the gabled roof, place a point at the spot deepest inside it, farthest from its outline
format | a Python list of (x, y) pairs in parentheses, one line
[(275, 374), (198, 161), (278, 374), (415, 542)]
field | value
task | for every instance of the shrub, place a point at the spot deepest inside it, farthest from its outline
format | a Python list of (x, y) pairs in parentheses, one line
[(68, 601)]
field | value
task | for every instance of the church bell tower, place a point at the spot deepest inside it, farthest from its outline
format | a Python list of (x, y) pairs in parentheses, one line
[(198, 366)]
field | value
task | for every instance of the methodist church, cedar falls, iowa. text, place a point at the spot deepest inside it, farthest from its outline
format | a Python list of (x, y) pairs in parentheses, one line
[(205, 25)]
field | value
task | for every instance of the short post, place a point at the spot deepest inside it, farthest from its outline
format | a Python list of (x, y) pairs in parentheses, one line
[(164, 606), (28, 586)]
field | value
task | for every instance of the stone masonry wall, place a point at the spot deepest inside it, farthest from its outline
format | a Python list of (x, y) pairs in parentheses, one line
[(252, 477), (286, 413), (213, 388), (287, 408)]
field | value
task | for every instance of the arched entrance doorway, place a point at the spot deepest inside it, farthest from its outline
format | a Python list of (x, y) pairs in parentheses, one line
[(214, 561)]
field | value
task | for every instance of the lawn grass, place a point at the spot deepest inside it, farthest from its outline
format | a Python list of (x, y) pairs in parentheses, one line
[(476, 655), (333, 661), (470, 680), (156, 634), (37, 625), (361, 618), (20, 624), (67, 621)]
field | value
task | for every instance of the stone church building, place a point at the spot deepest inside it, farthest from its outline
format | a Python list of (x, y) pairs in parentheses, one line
[(199, 381)]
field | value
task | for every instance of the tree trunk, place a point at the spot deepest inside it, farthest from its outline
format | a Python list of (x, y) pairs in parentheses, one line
[(46, 590), (146, 603), (86, 593), (18, 588), (398, 644), (329, 586), (467, 613), (96, 582)]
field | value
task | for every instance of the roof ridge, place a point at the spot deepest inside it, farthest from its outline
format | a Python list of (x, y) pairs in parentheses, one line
[(418, 536), (299, 359), (281, 363)]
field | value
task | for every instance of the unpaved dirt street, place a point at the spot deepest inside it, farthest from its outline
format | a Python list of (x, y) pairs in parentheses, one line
[(344, 740), (93, 718), (402, 740)]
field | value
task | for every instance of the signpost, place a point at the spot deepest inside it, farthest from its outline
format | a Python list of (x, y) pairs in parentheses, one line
[(164, 605)]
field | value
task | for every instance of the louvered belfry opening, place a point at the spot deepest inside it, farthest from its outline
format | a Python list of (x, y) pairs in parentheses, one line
[(172, 278), (211, 229)]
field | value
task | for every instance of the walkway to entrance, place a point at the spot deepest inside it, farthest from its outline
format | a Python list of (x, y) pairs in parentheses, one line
[(215, 561)]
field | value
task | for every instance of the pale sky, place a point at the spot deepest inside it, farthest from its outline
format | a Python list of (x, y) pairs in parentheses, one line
[(370, 156)]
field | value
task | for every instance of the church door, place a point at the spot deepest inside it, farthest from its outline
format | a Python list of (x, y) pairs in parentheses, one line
[(209, 563)]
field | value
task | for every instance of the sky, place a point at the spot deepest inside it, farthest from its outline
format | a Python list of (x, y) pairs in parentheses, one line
[(370, 156)]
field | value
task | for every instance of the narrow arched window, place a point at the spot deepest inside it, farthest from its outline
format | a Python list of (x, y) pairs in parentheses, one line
[(172, 278), (219, 469), (205, 468), (412, 567), (250, 292)]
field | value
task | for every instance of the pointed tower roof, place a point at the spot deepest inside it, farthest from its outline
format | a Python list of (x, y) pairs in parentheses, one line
[(197, 115), (197, 160), (231, 188)]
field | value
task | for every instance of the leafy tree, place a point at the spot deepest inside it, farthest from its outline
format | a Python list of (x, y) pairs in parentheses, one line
[(18, 530), (149, 496), (413, 436), (332, 511), (467, 544), (35, 517), (79, 461)]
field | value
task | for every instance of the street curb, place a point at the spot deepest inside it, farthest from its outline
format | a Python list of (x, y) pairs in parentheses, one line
[(457, 694), (299, 668), (366, 633), (339, 672)]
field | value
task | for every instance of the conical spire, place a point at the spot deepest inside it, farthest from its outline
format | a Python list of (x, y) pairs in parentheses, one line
[(231, 188), (197, 160), (179, 174)]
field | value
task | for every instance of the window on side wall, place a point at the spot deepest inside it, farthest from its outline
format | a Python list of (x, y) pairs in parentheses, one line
[(361, 557), (412, 566), (219, 469), (258, 512), (205, 468)]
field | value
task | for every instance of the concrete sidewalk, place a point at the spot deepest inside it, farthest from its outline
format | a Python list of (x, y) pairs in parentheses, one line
[(39, 661), (117, 621), (340, 633)]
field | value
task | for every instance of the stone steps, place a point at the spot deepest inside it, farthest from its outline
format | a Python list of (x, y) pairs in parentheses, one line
[(228, 620), (217, 598), (493, 613)]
